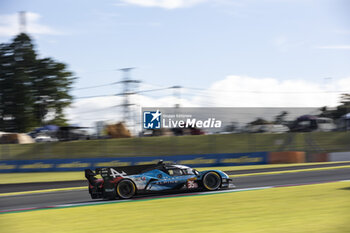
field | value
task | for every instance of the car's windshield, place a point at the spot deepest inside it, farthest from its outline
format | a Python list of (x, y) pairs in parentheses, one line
[(188, 171), (175, 172)]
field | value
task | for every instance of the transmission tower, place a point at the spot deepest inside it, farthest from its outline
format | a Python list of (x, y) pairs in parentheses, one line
[(129, 89), (22, 22), (177, 95)]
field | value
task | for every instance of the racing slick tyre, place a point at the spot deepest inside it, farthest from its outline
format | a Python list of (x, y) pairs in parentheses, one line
[(126, 189), (211, 181)]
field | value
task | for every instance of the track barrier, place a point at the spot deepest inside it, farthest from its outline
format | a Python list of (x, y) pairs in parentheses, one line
[(319, 157), (206, 160), (286, 157), (339, 156)]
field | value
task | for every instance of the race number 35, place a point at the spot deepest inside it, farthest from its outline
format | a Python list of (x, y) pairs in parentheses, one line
[(191, 184)]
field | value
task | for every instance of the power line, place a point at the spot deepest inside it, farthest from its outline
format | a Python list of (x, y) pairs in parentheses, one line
[(22, 22), (203, 91), (128, 92), (93, 96), (264, 92), (95, 110), (152, 90), (96, 71), (102, 85), (251, 91)]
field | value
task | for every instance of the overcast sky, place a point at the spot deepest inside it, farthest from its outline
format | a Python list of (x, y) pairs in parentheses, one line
[(261, 53)]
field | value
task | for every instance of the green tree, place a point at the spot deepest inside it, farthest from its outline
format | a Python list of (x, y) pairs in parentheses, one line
[(340, 110), (260, 121), (31, 87), (281, 118)]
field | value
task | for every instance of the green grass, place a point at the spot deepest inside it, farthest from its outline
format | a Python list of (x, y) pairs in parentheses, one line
[(203, 144), (15, 178), (320, 208), (262, 166)]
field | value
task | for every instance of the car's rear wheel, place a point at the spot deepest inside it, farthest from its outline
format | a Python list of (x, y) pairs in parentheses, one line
[(211, 181), (126, 189)]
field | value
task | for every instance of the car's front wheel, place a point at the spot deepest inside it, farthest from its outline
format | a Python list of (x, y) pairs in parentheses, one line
[(211, 181), (126, 189)]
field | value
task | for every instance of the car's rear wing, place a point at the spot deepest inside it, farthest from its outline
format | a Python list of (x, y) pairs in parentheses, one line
[(113, 172), (106, 173)]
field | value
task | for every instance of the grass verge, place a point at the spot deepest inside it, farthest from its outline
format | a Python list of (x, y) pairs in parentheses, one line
[(320, 208), (42, 191), (15, 178), (160, 146), (262, 166)]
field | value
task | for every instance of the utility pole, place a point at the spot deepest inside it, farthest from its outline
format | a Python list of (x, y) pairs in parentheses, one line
[(22, 22), (129, 86), (177, 95)]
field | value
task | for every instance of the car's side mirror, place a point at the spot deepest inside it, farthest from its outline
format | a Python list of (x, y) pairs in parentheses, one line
[(195, 172)]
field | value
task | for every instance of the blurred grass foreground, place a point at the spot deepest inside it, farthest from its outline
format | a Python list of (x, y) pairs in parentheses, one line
[(320, 208)]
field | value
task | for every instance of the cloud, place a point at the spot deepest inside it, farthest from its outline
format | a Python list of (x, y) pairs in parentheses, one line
[(166, 4), (86, 112), (243, 91), (9, 25), (340, 47), (232, 91)]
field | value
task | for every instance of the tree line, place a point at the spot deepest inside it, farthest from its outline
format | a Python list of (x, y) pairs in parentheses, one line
[(33, 90)]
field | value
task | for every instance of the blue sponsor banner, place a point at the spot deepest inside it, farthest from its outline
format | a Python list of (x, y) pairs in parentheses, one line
[(206, 160)]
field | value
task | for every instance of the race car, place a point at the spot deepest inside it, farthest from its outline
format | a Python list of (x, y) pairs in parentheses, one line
[(126, 182)]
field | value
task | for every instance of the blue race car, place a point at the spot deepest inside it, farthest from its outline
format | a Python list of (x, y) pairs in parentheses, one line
[(125, 182)]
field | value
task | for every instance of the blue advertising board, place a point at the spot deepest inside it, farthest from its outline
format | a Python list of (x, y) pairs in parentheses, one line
[(205, 160)]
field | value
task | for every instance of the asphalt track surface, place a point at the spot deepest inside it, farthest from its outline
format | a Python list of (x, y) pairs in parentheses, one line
[(6, 188), (42, 200)]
